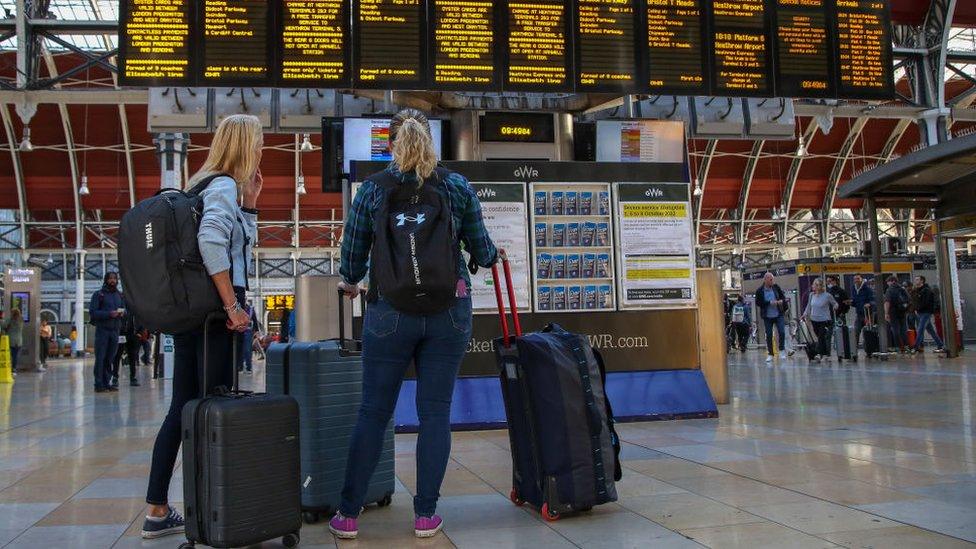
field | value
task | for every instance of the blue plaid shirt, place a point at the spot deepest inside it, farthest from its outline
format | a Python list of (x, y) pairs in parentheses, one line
[(357, 235)]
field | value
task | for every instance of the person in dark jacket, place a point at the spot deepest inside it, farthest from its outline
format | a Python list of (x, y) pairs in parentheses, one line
[(842, 298), (925, 308), (128, 346), (741, 321), (105, 311), (897, 303), (772, 305), (862, 298)]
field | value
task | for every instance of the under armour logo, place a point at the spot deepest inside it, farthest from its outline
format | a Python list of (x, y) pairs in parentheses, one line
[(403, 218)]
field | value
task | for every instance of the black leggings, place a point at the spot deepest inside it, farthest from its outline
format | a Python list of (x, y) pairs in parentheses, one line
[(187, 374), (823, 331)]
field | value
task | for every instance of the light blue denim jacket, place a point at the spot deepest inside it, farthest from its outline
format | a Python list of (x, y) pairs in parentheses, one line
[(227, 231)]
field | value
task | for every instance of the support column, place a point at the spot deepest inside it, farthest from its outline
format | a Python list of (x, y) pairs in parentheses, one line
[(944, 264), (80, 302), (879, 282), (171, 150)]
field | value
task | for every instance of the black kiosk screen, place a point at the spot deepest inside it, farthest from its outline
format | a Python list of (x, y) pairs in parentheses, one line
[(803, 50), (235, 41), (464, 44), (864, 49)]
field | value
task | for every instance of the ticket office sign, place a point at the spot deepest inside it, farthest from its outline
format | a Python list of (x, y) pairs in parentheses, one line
[(656, 261), (503, 209)]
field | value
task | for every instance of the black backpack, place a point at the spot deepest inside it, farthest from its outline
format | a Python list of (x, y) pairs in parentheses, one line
[(415, 254), (166, 283)]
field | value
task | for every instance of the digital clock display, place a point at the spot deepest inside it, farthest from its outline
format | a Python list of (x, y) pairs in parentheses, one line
[(517, 127)]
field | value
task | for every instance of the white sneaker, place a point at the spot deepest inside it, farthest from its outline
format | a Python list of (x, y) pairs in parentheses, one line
[(782, 355), (769, 358)]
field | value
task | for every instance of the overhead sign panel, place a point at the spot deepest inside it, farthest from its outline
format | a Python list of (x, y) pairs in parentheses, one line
[(863, 53), (156, 43), (742, 60), (677, 56), (463, 45), (236, 42), (606, 47), (390, 43), (314, 43), (804, 60), (538, 49)]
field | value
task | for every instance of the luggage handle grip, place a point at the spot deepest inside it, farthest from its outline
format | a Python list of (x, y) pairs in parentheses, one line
[(510, 287), (342, 316)]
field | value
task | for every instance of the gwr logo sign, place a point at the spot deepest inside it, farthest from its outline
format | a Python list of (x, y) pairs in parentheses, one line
[(526, 172)]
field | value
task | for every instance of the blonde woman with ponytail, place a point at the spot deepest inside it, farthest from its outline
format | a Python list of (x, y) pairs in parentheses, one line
[(396, 335), (229, 182)]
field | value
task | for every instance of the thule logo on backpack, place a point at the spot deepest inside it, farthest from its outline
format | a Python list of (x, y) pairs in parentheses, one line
[(149, 236), (403, 218), (526, 172)]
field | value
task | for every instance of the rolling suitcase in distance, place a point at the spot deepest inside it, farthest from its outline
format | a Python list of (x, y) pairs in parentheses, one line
[(843, 336), (326, 379), (240, 466), (805, 339), (565, 452), (872, 343)]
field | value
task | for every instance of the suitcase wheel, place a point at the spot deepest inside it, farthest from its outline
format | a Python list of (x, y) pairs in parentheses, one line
[(547, 515), (290, 540), (311, 517), (513, 495), (386, 501)]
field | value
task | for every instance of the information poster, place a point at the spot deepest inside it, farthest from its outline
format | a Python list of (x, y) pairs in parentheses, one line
[(657, 254), (503, 208)]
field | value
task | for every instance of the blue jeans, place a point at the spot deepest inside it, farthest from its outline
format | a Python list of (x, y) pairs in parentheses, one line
[(391, 341), (780, 323), (14, 353), (244, 355), (106, 345), (925, 323)]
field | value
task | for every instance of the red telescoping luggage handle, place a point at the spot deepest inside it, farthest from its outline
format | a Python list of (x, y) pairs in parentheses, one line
[(506, 267)]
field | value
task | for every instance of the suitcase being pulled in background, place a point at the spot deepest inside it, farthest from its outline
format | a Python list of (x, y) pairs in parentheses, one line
[(844, 342), (240, 466), (565, 452), (326, 379), (872, 341)]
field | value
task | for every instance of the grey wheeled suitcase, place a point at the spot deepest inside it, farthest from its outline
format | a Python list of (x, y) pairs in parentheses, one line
[(844, 342), (240, 467), (326, 379)]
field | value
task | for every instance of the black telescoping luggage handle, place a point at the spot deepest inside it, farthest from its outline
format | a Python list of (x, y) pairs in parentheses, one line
[(342, 316), (219, 315), (510, 286)]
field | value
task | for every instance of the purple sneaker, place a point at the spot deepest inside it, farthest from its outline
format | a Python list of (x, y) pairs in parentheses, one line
[(343, 527), (427, 527)]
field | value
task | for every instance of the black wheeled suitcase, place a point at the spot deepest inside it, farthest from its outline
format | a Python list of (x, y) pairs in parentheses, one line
[(241, 482), (565, 451), (326, 378), (806, 340), (872, 341)]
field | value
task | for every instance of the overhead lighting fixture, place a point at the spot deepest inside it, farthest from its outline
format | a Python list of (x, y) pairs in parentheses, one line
[(775, 214), (801, 148), (25, 144), (300, 186), (306, 144), (698, 190), (83, 189)]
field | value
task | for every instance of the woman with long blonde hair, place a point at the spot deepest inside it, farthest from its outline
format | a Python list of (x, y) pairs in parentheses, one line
[(228, 228), (434, 340)]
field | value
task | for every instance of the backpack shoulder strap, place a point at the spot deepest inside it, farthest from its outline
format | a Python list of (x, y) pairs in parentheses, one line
[(384, 179), (204, 183)]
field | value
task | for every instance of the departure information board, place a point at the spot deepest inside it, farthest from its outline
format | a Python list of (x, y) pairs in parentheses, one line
[(538, 48), (803, 54), (155, 42), (863, 52), (818, 49), (463, 45), (606, 50), (742, 62), (235, 42), (315, 42), (390, 42), (676, 57)]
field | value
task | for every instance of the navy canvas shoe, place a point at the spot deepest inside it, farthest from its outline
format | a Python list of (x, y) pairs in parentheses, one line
[(157, 527)]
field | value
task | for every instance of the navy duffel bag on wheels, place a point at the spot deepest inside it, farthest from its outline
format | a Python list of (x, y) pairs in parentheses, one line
[(565, 451)]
